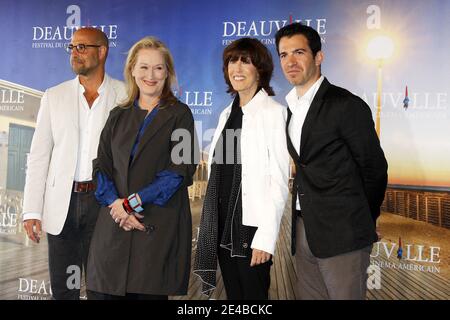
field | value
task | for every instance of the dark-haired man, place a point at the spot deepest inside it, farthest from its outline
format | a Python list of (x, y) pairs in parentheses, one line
[(341, 173)]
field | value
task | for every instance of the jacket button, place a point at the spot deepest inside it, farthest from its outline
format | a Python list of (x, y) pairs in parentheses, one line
[(302, 165), (245, 245)]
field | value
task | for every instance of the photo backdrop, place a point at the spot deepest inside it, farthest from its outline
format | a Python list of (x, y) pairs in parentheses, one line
[(411, 261)]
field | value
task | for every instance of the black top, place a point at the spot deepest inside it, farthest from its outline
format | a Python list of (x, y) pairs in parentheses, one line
[(232, 131), (230, 158)]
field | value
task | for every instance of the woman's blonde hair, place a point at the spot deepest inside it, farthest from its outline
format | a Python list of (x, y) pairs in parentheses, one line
[(167, 97)]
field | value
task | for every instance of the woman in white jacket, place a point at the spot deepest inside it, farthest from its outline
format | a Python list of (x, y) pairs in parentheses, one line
[(248, 178)]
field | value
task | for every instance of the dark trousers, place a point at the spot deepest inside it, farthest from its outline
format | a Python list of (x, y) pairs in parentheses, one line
[(241, 281), (342, 277), (68, 251), (93, 295)]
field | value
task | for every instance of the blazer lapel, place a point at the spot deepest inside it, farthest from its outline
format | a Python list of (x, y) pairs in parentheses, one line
[(110, 94), (71, 104), (73, 101), (290, 145), (312, 114), (160, 119)]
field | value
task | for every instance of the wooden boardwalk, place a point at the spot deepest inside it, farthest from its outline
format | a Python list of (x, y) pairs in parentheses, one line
[(30, 263), (395, 284)]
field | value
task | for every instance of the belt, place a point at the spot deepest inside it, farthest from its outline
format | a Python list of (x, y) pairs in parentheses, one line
[(298, 213), (83, 187)]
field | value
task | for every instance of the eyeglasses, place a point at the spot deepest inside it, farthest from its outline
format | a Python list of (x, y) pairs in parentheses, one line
[(81, 47)]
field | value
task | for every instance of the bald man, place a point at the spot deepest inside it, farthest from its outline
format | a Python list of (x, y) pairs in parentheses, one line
[(59, 191)]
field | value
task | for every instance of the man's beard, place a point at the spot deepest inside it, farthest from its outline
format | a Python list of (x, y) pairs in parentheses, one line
[(297, 82), (81, 70)]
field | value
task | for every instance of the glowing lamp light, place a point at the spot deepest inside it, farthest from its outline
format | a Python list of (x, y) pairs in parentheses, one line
[(380, 48)]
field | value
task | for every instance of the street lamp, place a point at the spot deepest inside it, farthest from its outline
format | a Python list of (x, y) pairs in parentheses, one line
[(380, 48)]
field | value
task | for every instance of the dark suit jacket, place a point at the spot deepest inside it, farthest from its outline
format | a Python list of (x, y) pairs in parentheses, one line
[(157, 262), (341, 173)]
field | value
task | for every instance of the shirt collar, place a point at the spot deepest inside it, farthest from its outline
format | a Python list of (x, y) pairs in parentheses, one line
[(292, 98), (100, 89)]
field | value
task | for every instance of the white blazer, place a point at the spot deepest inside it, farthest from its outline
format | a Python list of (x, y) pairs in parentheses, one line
[(53, 155), (265, 166)]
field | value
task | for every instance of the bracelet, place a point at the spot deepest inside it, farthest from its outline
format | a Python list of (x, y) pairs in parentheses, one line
[(135, 203), (126, 206)]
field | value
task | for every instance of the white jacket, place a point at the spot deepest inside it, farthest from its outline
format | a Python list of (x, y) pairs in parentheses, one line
[(53, 155), (265, 166)]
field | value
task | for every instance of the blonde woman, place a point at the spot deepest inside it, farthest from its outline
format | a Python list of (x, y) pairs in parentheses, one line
[(141, 246)]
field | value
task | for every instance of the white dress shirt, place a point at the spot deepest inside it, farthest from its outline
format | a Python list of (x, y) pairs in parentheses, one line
[(91, 123), (299, 107)]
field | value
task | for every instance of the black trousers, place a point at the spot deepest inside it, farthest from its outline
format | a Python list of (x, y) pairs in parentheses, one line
[(241, 281), (68, 251)]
